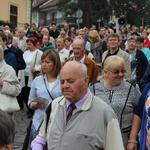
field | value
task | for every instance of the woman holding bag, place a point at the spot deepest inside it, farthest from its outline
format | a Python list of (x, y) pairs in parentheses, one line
[(32, 59), (44, 89), (9, 86)]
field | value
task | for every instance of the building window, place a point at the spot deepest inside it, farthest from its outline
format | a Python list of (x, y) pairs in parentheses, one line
[(13, 14)]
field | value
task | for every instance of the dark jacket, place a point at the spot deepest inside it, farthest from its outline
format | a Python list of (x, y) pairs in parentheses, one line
[(10, 58), (141, 65), (54, 34), (146, 78), (19, 58)]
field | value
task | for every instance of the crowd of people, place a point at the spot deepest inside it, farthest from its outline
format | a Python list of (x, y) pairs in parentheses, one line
[(82, 88)]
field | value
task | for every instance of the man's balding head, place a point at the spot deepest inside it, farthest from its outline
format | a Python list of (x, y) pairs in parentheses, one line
[(78, 49)]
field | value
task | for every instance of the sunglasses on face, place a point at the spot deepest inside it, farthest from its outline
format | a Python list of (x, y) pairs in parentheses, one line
[(118, 71)]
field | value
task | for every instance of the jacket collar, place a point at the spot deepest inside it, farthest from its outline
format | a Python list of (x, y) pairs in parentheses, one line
[(86, 105)]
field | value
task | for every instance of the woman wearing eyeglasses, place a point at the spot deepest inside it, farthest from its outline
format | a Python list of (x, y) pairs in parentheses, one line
[(118, 93)]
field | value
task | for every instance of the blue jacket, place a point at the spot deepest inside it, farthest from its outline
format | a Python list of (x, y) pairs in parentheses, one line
[(10, 58), (38, 89), (146, 78), (141, 112), (19, 58)]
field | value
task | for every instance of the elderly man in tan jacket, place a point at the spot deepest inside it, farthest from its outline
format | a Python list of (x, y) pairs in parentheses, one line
[(78, 120)]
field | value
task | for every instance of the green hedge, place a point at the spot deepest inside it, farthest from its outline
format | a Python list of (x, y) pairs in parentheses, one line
[(10, 24)]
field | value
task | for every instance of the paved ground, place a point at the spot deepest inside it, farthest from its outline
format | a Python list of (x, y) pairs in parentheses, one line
[(21, 123)]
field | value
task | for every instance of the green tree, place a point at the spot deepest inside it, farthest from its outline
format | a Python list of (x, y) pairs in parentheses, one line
[(133, 10), (92, 10), (146, 16)]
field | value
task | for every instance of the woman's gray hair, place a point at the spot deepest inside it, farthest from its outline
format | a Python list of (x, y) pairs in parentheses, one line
[(1, 50)]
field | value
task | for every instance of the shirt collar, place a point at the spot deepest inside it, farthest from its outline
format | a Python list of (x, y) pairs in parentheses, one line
[(115, 53), (81, 61), (1, 62), (80, 102), (21, 38), (9, 45), (61, 51)]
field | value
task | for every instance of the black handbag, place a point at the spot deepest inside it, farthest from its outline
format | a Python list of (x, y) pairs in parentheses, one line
[(36, 73), (26, 140)]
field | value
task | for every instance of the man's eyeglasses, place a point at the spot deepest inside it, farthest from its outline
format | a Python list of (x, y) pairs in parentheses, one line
[(118, 71)]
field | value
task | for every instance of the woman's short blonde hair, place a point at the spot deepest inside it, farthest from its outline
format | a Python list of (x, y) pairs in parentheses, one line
[(94, 36), (112, 62)]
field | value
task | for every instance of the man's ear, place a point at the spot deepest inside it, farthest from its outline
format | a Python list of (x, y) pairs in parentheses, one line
[(119, 43), (86, 79)]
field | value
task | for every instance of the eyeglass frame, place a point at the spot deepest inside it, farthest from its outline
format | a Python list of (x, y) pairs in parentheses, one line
[(117, 71)]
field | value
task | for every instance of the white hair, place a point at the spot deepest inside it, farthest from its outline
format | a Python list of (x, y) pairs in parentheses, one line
[(46, 30), (21, 29), (15, 40), (82, 67)]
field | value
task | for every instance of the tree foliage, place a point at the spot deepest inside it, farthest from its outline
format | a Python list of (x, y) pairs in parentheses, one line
[(92, 10), (132, 10)]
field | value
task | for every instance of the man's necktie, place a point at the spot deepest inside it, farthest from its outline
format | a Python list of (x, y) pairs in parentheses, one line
[(70, 109)]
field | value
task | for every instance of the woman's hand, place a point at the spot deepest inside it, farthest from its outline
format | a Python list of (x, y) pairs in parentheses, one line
[(33, 69), (37, 105), (1, 83), (132, 146)]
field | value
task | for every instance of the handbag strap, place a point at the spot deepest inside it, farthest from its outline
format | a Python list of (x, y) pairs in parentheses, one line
[(47, 89), (35, 59), (125, 105)]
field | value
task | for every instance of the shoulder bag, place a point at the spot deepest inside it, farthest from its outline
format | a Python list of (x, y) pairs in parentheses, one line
[(8, 103), (36, 73)]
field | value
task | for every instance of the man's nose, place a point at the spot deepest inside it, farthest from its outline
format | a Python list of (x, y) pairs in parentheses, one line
[(65, 84)]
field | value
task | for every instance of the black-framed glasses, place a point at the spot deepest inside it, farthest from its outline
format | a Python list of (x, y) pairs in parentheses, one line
[(118, 71)]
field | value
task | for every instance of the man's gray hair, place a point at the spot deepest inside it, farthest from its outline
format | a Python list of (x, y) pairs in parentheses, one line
[(21, 29), (15, 39), (7, 129), (1, 50), (132, 38), (79, 38), (82, 30), (10, 36), (113, 35), (82, 67)]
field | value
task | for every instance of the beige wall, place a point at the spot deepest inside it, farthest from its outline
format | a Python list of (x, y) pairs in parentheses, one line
[(23, 10)]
